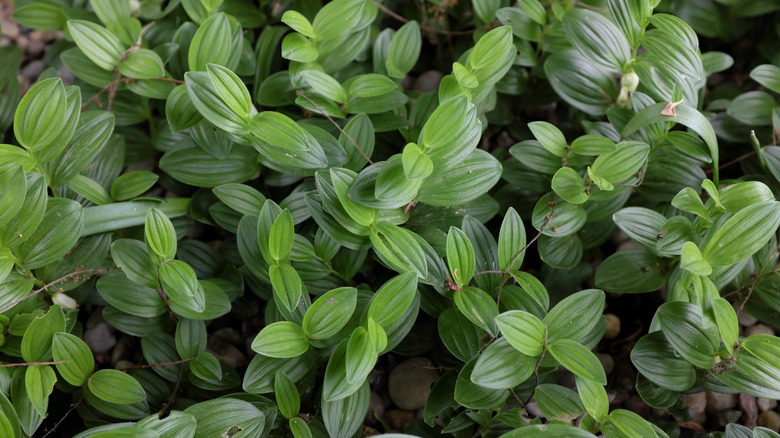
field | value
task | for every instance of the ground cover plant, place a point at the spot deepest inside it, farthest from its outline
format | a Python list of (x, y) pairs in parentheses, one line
[(225, 218)]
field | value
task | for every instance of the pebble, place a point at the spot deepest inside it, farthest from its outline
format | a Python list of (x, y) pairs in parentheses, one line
[(759, 329), (747, 404), (770, 420), (728, 416), (33, 69), (533, 409), (696, 402), (376, 409), (764, 404), (719, 402), (428, 81), (369, 431), (230, 335), (410, 383), (745, 319), (606, 362), (9, 28), (226, 353), (613, 326), (396, 418), (100, 338)]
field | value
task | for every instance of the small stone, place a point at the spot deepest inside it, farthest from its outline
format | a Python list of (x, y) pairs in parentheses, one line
[(410, 382), (629, 244), (230, 335), (35, 48), (9, 28), (717, 402), (397, 418), (100, 338), (606, 362), (33, 69), (533, 410), (770, 420), (369, 431), (376, 409), (764, 404), (613, 326), (696, 402), (428, 81), (745, 319), (226, 353), (727, 417), (747, 404), (759, 329)]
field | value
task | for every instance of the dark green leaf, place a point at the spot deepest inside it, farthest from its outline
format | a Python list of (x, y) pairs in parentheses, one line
[(282, 339)]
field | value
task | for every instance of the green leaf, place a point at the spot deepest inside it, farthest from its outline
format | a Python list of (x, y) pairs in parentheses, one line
[(594, 398), (623, 163), (404, 50), (116, 387), (743, 234), (342, 180), (287, 398), (558, 402), (473, 396), (492, 50), (392, 300), (397, 247), (92, 133), (688, 200), (476, 305), (502, 366), (417, 164), (568, 184), (13, 188), (190, 338), (438, 130), (535, 10), (40, 115), (287, 285), (160, 236), (525, 332), (43, 16), (219, 416), (656, 359), (511, 242), (194, 166), (345, 416), (142, 64), (39, 381), (206, 98), (57, 233), (575, 316), (580, 82), (231, 89), (557, 218), (767, 75), (132, 184), (685, 115), (692, 261), (241, 197), (641, 224), (475, 175), (262, 370), (361, 356), (550, 137), (681, 323), (676, 54), (597, 38), (281, 339), (99, 45), (285, 142), (89, 189), (132, 258), (728, 326), (549, 431), (753, 108), (216, 41), (329, 313), (738, 196), (464, 77), (180, 110), (181, 286), (592, 145), (299, 428), (577, 359), (296, 47), (118, 291), (280, 239), (629, 424), (631, 271), (298, 23), (460, 256), (325, 85)]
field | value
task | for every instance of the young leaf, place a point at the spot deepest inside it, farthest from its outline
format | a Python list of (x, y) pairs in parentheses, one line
[(476, 305), (511, 242), (181, 285), (525, 332), (100, 45), (417, 164), (329, 313), (132, 184), (578, 359), (681, 323), (39, 381), (392, 300), (287, 285), (398, 248), (404, 50), (80, 363), (743, 234), (280, 240), (361, 356), (282, 339), (728, 326), (231, 89), (460, 256), (594, 398), (692, 261), (142, 64), (568, 184), (287, 398), (116, 387), (550, 137), (160, 235), (298, 23)]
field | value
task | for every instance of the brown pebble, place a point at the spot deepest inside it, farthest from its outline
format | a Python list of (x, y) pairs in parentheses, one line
[(396, 418), (226, 353), (369, 431), (770, 420), (719, 402), (747, 404), (759, 329), (613, 326), (9, 28), (376, 409), (765, 404), (696, 402), (409, 383)]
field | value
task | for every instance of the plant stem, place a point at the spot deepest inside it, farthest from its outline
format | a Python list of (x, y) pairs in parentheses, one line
[(104, 218)]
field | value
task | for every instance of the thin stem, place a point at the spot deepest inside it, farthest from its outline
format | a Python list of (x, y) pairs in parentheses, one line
[(162, 364), (731, 163), (303, 95), (27, 364), (46, 286), (167, 406), (57, 424), (756, 276)]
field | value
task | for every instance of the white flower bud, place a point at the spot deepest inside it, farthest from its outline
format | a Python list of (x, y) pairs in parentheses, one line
[(64, 301)]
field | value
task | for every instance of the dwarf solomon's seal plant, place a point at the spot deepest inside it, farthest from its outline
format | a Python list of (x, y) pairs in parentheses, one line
[(342, 184)]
